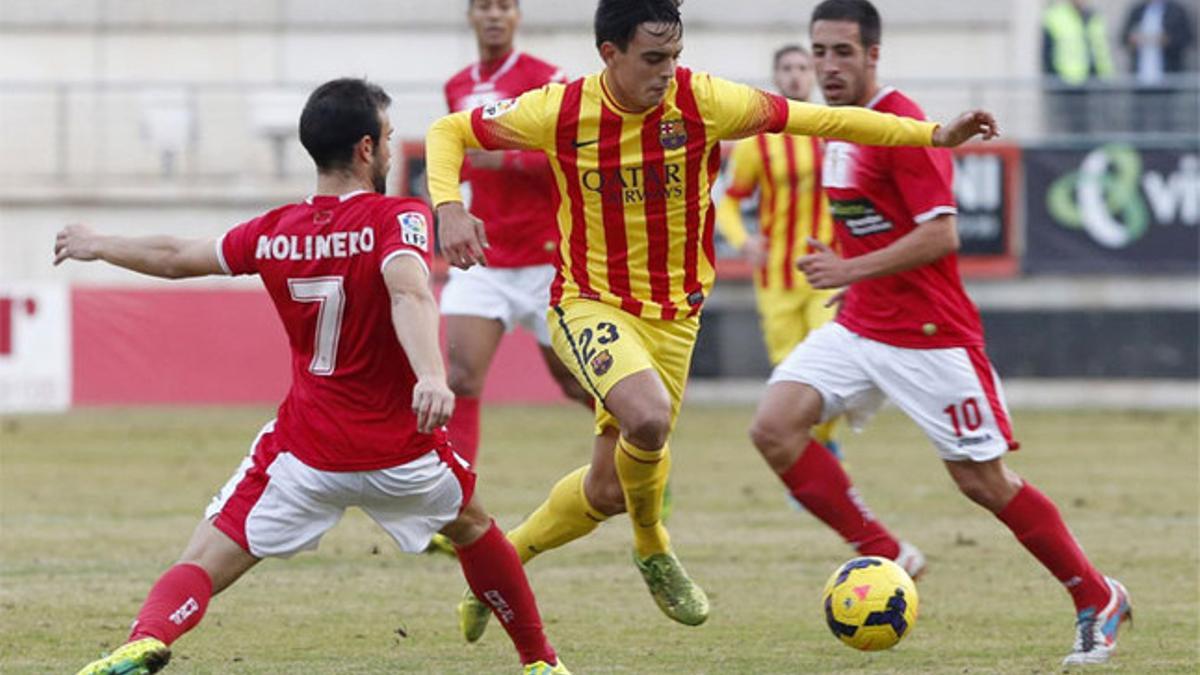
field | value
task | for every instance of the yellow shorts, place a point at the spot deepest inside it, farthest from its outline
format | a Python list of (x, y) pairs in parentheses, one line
[(788, 316), (602, 345)]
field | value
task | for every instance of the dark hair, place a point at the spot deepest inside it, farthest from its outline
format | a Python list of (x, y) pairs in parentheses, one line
[(788, 49), (471, 3), (862, 12), (336, 117), (617, 21)]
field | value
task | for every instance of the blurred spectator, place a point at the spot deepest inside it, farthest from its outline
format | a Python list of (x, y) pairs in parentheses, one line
[(1075, 54), (1158, 34)]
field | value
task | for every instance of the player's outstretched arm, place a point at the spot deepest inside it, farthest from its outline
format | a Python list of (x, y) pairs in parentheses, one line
[(739, 111), (158, 256), (415, 320)]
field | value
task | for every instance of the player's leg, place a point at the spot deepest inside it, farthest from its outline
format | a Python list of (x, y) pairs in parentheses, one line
[(578, 504), (819, 380), (959, 404), (471, 342), (215, 557), (176, 602), (636, 369), (479, 308), (437, 492), (567, 383), (1101, 604), (781, 432)]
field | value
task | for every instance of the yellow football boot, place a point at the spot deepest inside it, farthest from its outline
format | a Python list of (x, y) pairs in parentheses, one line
[(672, 589), (139, 657)]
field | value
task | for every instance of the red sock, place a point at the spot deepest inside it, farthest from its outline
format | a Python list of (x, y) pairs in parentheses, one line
[(464, 428), (818, 481), (1040, 528), (495, 575), (175, 604)]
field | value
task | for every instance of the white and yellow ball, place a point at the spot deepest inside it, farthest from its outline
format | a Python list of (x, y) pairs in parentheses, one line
[(870, 603)]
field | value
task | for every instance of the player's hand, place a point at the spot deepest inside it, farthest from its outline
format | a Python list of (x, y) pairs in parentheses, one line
[(433, 402), (461, 236), (76, 242), (755, 250), (967, 126), (824, 268)]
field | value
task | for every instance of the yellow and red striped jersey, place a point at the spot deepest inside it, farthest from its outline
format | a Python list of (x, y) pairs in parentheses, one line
[(633, 188), (786, 172)]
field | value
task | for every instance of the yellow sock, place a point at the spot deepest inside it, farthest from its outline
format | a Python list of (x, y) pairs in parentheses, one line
[(643, 475), (565, 516), (824, 432)]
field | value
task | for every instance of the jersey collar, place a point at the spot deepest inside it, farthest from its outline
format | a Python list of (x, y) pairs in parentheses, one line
[(477, 76), (341, 198), (879, 96)]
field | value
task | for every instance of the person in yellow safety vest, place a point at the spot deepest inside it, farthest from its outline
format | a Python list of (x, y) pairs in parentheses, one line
[(1075, 43), (1075, 54)]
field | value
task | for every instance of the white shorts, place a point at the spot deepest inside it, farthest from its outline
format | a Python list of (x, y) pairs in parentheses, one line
[(953, 394), (276, 506), (515, 296)]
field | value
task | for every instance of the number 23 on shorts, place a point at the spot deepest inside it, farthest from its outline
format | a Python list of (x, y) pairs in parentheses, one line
[(599, 359)]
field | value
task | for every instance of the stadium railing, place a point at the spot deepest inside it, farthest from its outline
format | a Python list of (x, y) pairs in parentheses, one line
[(148, 133)]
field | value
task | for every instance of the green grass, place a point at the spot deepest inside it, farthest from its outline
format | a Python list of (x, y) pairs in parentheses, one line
[(95, 504)]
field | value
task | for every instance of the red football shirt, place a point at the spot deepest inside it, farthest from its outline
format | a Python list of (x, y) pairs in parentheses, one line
[(349, 407), (878, 195), (515, 203)]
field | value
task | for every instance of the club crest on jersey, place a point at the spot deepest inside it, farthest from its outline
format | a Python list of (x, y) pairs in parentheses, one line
[(493, 110), (601, 363), (414, 231), (672, 134)]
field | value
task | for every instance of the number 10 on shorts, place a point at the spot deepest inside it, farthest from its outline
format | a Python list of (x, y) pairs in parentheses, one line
[(965, 414)]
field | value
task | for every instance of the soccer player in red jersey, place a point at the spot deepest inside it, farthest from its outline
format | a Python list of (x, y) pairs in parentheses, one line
[(906, 331), (512, 192), (347, 270)]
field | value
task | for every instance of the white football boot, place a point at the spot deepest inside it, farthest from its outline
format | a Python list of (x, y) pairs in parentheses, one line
[(1096, 632)]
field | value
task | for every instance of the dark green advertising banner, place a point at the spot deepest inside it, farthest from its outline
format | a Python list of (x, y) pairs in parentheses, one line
[(1113, 208)]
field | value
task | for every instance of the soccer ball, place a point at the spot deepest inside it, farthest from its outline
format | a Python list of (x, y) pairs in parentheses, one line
[(870, 603)]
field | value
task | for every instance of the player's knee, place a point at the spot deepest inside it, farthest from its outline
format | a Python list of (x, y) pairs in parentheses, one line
[(649, 428), (471, 524), (464, 381), (777, 440)]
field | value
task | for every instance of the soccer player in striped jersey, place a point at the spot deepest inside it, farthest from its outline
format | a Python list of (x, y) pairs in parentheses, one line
[(634, 150), (907, 331), (785, 172)]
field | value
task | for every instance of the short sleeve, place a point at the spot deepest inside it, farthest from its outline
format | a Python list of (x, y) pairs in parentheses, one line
[(406, 230), (736, 110), (924, 178), (236, 248), (526, 122)]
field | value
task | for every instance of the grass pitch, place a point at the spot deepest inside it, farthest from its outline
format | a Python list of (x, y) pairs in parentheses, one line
[(95, 504)]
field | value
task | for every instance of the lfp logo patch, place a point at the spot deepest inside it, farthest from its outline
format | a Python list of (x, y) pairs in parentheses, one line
[(414, 231), (672, 134), (493, 110)]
